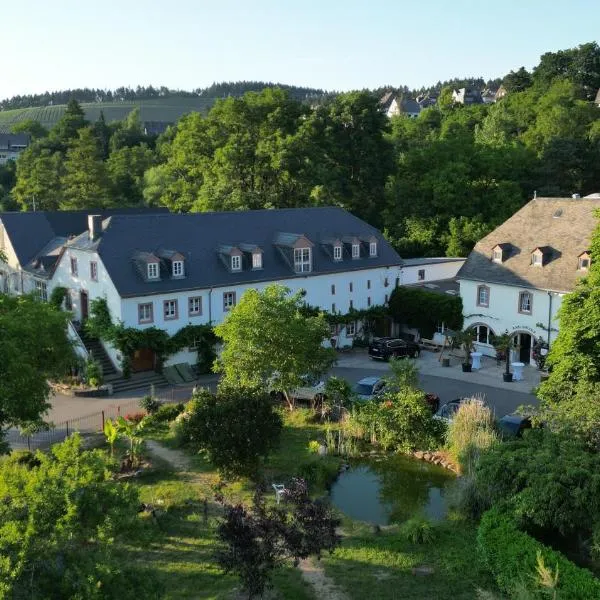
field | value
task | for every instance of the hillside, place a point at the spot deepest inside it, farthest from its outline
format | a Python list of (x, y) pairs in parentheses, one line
[(155, 109)]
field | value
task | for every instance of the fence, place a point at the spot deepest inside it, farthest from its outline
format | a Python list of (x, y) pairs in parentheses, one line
[(86, 426)]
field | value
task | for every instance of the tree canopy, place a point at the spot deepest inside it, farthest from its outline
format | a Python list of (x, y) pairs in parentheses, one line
[(269, 341)]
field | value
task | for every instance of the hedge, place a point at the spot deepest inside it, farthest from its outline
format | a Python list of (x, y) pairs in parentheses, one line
[(511, 556)]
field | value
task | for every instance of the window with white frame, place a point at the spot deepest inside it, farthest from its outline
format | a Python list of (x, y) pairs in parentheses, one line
[(177, 268), (483, 334), (421, 275), (337, 253), (73, 266), (228, 300), (351, 328), (194, 306), (257, 260), (68, 300), (584, 262), (497, 255), (355, 250), (302, 260), (483, 295), (196, 343), (153, 270), (236, 263), (333, 308), (170, 309), (525, 302), (537, 259), (373, 249), (41, 290), (145, 313)]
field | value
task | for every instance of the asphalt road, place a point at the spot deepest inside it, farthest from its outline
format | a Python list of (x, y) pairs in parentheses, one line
[(500, 400)]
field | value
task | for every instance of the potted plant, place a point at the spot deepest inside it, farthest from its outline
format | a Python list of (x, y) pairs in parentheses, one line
[(465, 339), (502, 344)]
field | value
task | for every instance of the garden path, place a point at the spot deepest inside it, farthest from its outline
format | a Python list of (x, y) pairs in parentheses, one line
[(175, 458), (323, 586)]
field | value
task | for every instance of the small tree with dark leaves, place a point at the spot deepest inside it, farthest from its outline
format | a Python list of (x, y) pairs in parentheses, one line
[(259, 540)]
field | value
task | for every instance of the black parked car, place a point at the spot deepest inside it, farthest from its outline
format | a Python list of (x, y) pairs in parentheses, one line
[(386, 347)]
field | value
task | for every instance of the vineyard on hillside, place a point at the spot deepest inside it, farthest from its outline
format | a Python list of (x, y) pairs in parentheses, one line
[(157, 109)]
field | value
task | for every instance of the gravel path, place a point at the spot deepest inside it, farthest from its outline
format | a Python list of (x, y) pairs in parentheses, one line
[(175, 458), (323, 586)]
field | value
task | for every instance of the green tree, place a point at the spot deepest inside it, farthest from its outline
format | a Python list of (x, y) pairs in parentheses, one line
[(68, 126), (61, 516), (269, 341), (30, 126), (236, 428), (85, 183), (33, 348), (39, 172), (517, 81), (125, 168)]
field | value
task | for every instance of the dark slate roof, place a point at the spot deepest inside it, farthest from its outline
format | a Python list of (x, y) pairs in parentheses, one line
[(30, 232), (199, 236), (417, 262), (565, 225), (408, 105), (9, 140), (450, 287)]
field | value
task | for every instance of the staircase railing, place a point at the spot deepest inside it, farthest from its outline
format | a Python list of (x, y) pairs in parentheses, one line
[(78, 344)]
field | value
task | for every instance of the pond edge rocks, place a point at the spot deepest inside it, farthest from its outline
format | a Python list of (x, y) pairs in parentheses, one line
[(437, 458)]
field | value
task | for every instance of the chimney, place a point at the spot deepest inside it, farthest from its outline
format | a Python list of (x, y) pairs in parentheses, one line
[(94, 227), (576, 196)]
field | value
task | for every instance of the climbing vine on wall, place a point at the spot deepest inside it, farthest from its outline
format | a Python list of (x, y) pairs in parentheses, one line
[(127, 340)]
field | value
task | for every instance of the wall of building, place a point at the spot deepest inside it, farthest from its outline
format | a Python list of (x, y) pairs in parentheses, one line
[(444, 270), (503, 314)]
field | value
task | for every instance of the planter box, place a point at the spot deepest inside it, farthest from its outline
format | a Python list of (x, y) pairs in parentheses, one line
[(101, 392), (466, 368), (445, 362), (507, 377)]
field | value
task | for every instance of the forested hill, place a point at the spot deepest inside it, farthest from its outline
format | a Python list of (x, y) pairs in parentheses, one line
[(128, 94)]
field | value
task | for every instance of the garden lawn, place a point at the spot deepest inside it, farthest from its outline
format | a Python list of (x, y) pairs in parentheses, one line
[(180, 546)]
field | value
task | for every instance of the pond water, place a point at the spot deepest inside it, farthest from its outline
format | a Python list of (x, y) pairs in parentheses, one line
[(392, 490)]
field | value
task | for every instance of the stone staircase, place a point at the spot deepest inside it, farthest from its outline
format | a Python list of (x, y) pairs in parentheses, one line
[(137, 382), (97, 351)]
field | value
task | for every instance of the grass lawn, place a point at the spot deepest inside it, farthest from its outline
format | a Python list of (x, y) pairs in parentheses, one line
[(180, 549)]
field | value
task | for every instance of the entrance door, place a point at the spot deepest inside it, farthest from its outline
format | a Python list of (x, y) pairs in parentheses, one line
[(142, 360), (525, 352), (84, 300)]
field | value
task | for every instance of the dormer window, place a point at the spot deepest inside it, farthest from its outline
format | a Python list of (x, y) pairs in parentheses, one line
[(355, 250), (302, 260), (541, 256), (337, 252), (372, 249), (584, 261), (257, 260), (497, 255), (177, 268), (537, 259), (153, 270), (236, 263)]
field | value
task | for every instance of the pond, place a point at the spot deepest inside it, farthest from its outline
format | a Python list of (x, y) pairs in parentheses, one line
[(392, 490)]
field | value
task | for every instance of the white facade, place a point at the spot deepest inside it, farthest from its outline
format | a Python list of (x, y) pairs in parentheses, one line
[(503, 313), (430, 270)]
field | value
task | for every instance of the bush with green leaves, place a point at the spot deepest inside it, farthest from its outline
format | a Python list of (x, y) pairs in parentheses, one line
[(418, 530), (149, 404), (167, 412), (319, 473), (236, 428), (61, 515), (471, 432), (519, 561), (548, 482), (398, 421), (93, 373)]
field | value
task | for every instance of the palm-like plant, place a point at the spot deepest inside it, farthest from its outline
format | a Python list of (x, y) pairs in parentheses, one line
[(111, 433), (132, 431), (503, 343), (465, 340)]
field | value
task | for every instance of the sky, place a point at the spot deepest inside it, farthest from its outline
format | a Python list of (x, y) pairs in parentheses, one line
[(327, 44)]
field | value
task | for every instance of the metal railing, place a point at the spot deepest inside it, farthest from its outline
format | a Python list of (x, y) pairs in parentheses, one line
[(86, 426)]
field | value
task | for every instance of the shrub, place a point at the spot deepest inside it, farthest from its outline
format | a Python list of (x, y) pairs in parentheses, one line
[(512, 557), (149, 404), (418, 530), (313, 446), (470, 433), (93, 373), (134, 417), (168, 412)]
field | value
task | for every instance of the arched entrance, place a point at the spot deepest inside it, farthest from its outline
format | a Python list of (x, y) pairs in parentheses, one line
[(522, 343)]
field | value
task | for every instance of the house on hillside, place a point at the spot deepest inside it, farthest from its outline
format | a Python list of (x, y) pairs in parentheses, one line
[(11, 145), (397, 105), (427, 100), (488, 96), (515, 278), (467, 96), (500, 93)]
